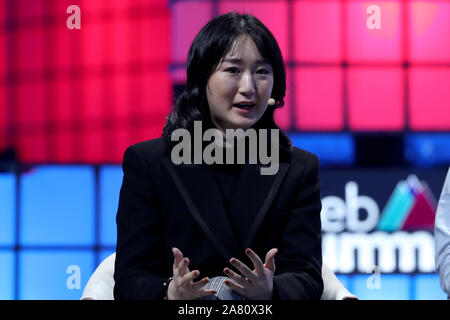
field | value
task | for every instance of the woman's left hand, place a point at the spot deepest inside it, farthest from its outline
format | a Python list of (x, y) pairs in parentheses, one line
[(256, 284)]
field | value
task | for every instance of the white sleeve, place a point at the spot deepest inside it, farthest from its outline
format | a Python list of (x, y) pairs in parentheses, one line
[(442, 236)]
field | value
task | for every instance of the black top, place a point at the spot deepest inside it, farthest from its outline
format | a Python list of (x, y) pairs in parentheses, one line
[(163, 205), (227, 176)]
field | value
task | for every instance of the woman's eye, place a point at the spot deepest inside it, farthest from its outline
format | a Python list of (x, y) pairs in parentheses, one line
[(263, 71), (232, 70)]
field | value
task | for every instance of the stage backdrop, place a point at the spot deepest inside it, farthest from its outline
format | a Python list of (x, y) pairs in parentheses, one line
[(367, 91), (58, 224)]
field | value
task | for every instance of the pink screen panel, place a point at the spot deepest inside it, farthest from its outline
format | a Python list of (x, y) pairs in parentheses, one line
[(373, 44), (429, 31), (272, 13), (188, 17), (317, 31), (429, 99), (31, 145), (319, 99), (30, 50), (3, 119), (376, 100), (283, 115)]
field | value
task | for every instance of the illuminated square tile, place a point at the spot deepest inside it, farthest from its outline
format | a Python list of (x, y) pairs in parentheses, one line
[(115, 40), (3, 51), (331, 148), (427, 287), (31, 101), (188, 17), (429, 97), (4, 121), (319, 99), (391, 287), (30, 9), (93, 145), (270, 13), (282, 115), (7, 208), (427, 149), (429, 31), (32, 146), (64, 147), (110, 183), (91, 43), (376, 99), (317, 31), (7, 274), (29, 55), (365, 41), (2, 10), (57, 206), (54, 274)]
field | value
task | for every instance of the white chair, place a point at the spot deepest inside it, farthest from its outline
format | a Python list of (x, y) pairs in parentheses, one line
[(333, 289), (101, 284)]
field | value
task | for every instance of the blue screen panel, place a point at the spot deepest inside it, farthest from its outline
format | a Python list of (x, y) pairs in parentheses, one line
[(7, 275), (427, 287), (392, 287), (332, 149), (105, 254), (424, 149), (110, 183), (7, 208), (345, 280), (57, 206), (54, 274)]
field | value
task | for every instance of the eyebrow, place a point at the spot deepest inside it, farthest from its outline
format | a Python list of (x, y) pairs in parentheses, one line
[(239, 61)]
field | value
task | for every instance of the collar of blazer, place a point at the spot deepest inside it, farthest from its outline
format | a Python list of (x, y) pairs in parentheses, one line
[(252, 199)]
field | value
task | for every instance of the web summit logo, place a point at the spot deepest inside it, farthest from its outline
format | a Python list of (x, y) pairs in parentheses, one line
[(410, 207), (355, 238)]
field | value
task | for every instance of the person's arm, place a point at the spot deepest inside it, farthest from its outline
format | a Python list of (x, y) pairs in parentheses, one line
[(299, 260), (139, 273), (442, 236)]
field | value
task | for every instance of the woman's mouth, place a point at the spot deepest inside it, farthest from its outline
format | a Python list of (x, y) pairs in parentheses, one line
[(244, 109), (246, 106)]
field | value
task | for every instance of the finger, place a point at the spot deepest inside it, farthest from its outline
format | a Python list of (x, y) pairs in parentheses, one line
[(183, 267), (189, 277), (243, 282), (233, 286), (270, 259), (243, 269), (177, 258), (256, 260), (204, 293), (200, 284)]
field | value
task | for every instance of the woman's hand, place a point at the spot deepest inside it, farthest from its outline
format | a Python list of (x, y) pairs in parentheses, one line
[(182, 286), (256, 284)]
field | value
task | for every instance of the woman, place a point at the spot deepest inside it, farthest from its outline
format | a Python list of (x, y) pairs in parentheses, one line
[(179, 220)]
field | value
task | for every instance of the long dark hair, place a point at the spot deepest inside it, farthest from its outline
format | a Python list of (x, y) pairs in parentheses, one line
[(209, 46)]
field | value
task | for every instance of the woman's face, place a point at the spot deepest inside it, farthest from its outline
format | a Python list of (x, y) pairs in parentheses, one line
[(238, 90)]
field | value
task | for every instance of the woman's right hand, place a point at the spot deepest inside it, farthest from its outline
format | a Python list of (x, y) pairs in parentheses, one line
[(182, 286)]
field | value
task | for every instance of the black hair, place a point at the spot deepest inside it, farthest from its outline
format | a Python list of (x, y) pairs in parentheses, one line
[(212, 42)]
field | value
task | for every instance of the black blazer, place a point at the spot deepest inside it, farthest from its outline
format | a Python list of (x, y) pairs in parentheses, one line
[(163, 205)]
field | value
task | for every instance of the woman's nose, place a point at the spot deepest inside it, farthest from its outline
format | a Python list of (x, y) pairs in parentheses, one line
[(247, 85)]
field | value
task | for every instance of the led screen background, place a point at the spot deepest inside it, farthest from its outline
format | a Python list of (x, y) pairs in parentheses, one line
[(77, 98)]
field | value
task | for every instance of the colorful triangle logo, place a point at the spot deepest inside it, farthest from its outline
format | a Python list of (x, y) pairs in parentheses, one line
[(411, 206)]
